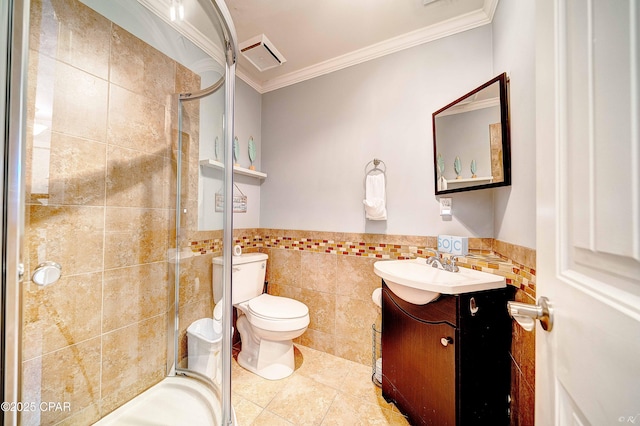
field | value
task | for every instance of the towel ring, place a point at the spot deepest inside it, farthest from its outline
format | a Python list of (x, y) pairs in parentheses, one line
[(376, 162)]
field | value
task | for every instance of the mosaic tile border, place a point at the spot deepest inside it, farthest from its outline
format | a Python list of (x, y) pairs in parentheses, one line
[(483, 259)]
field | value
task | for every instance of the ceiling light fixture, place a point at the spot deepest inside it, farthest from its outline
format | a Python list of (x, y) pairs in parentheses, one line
[(176, 10)]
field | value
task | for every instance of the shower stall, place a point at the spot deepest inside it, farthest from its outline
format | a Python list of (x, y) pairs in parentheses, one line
[(107, 109)]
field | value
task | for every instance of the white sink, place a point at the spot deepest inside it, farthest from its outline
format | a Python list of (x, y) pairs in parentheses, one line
[(416, 282)]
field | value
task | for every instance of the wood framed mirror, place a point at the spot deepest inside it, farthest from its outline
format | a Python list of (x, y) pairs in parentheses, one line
[(471, 140)]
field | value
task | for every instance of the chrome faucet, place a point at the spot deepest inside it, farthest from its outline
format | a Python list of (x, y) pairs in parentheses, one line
[(448, 265), (435, 260)]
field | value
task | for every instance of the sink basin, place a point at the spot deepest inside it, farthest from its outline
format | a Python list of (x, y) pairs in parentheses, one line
[(416, 282)]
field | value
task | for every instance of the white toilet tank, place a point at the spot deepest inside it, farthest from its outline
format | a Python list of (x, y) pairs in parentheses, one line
[(249, 271)]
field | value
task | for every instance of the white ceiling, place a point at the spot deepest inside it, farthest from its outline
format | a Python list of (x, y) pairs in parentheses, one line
[(317, 37), (322, 36)]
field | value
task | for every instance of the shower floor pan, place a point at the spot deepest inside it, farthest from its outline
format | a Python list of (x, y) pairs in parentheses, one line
[(173, 401)]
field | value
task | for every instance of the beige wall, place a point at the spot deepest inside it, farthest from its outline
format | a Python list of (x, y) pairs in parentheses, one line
[(100, 202)]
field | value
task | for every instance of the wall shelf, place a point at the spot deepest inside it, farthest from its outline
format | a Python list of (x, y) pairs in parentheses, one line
[(207, 162), (444, 183)]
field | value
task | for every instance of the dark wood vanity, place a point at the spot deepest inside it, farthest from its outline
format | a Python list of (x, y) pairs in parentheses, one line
[(447, 362)]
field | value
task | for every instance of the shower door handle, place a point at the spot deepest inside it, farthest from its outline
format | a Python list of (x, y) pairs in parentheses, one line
[(47, 273)]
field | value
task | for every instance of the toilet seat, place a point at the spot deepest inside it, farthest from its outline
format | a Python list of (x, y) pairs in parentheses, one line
[(276, 313), (277, 307)]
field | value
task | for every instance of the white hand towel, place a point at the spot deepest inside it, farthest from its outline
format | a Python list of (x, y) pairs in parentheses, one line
[(375, 198)]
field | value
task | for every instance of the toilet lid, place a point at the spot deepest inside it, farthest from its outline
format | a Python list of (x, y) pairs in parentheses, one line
[(277, 307)]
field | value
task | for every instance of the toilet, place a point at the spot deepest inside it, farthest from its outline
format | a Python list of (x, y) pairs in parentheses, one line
[(267, 323)]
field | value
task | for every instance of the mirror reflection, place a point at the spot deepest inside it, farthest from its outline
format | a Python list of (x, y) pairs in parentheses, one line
[(471, 140)]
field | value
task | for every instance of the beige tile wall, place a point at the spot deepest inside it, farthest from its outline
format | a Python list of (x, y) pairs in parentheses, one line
[(100, 201)]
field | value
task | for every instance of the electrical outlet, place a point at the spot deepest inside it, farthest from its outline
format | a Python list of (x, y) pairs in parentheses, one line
[(445, 206)]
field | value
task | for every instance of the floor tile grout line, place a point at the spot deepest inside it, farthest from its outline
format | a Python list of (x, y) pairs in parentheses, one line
[(329, 409)]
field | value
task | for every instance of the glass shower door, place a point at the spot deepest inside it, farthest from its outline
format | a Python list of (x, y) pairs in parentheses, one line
[(105, 222)]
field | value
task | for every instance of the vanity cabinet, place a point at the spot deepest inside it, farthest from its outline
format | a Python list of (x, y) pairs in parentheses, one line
[(447, 362)]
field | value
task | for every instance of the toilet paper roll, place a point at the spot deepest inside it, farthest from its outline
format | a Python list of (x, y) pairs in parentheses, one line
[(376, 296), (237, 250)]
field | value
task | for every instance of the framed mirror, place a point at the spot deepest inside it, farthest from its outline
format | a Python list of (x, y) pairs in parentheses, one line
[(471, 140)]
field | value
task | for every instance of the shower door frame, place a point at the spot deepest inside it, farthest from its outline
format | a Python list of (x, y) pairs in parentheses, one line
[(228, 80), (14, 15)]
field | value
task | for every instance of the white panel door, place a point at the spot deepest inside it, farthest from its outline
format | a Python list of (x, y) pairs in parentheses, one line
[(588, 211)]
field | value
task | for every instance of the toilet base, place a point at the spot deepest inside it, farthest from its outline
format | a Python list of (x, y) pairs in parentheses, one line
[(271, 359), (274, 362)]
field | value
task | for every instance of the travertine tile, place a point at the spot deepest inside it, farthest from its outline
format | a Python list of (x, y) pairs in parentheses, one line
[(354, 349), (356, 277), (133, 359), (196, 279), (137, 179), (70, 169), (190, 167), (358, 384), (318, 272), (70, 235), (138, 67), (346, 410), (69, 375), (285, 267), (186, 80), (87, 416), (246, 411), (302, 401), (354, 318), (134, 293), (322, 310), (87, 119), (267, 418), (253, 387), (71, 32), (135, 236), (285, 291), (324, 342), (137, 122), (62, 314), (322, 367)]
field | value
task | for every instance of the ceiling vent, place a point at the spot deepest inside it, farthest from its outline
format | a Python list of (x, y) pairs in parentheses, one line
[(262, 53)]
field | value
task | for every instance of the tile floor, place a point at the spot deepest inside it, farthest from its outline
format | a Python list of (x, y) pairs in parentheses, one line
[(323, 390)]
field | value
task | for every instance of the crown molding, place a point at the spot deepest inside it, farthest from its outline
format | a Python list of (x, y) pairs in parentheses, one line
[(443, 29), (160, 8), (489, 8), (247, 79)]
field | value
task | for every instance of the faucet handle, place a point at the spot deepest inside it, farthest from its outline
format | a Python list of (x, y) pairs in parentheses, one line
[(452, 264)]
